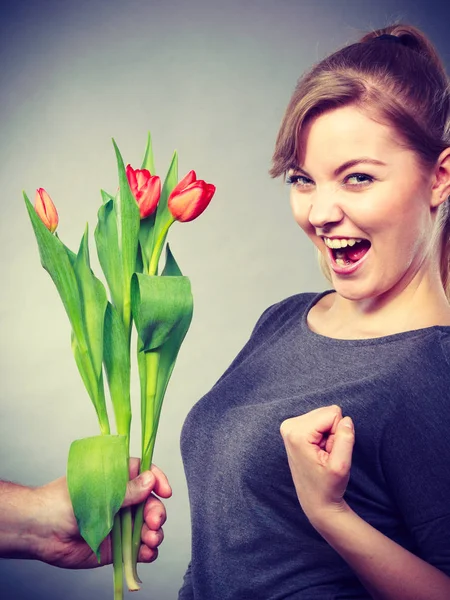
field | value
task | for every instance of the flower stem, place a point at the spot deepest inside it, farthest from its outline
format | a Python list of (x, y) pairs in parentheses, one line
[(148, 408), (123, 423), (126, 521), (149, 424), (139, 515), (117, 558), (102, 413), (154, 260), (127, 551), (126, 315)]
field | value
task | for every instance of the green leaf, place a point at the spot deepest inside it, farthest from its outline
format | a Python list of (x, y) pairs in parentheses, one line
[(163, 214), (128, 224), (94, 302), (128, 219), (107, 242), (145, 241), (106, 197), (151, 236), (97, 476), (84, 364), (117, 365), (158, 306), (148, 162), (141, 265), (93, 306), (56, 261), (145, 232), (142, 368), (72, 256), (93, 385), (84, 299), (171, 268), (168, 353)]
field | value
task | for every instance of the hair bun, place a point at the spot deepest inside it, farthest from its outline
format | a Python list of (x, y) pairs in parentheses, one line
[(409, 36), (387, 37)]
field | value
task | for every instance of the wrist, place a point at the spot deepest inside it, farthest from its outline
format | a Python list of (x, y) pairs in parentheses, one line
[(325, 518), (19, 523)]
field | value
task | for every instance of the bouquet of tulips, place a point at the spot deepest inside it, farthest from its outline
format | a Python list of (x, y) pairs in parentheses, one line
[(130, 235)]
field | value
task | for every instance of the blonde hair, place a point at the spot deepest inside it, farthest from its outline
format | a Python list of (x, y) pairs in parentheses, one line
[(400, 82)]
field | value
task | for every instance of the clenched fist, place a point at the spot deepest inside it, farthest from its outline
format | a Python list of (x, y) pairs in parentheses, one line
[(319, 448)]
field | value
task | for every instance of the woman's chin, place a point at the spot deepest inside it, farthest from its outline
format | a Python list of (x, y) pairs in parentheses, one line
[(352, 290)]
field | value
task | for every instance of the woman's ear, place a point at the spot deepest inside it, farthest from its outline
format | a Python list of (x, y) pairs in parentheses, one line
[(441, 184)]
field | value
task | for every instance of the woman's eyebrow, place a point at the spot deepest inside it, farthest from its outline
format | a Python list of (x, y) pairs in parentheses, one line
[(347, 165), (357, 161)]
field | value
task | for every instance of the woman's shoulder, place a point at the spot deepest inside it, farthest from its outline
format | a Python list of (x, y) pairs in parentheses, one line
[(434, 352), (445, 344), (292, 306), (420, 383)]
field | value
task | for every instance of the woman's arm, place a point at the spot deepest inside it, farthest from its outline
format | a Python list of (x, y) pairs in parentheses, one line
[(319, 447), (386, 569)]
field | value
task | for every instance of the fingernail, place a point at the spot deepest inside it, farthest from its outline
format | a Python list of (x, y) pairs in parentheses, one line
[(146, 478), (347, 422)]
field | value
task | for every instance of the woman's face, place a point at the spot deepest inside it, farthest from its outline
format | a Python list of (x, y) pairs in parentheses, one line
[(372, 220)]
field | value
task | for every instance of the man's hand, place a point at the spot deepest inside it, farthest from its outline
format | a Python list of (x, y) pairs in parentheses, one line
[(39, 523)]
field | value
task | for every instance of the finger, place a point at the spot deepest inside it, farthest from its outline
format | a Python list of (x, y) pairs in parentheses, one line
[(337, 419), (323, 420), (162, 486), (133, 467), (151, 538), (311, 426), (139, 488), (323, 423), (146, 554), (340, 459), (328, 443), (154, 513)]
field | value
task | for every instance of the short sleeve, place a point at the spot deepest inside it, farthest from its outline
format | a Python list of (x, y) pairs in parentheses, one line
[(271, 319), (415, 458), (186, 592)]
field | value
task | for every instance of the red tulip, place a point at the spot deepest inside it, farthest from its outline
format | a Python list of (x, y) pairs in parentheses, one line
[(190, 197), (46, 209), (146, 189)]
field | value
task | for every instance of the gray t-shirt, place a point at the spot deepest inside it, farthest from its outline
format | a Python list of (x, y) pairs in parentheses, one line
[(250, 537)]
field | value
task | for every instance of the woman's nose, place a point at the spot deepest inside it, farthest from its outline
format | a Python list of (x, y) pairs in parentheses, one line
[(325, 210)]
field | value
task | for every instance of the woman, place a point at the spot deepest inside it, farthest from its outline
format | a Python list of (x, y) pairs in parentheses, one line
[(365, 144)]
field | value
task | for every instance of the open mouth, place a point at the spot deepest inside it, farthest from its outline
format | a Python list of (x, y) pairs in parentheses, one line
[(346, 252)]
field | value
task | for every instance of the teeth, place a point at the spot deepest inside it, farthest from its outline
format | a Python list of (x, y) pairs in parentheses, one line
[(341, 243), (341, 262)]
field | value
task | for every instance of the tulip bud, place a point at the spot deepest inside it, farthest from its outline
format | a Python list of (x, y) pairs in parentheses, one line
[(146, 188), (190, 197), (46, 210)]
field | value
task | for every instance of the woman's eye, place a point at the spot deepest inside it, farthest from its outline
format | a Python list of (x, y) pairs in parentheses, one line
[(297, 180), (360, 179), (354, 180)]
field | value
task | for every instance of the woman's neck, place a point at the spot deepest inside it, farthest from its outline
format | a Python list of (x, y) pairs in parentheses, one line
[(416, 307)]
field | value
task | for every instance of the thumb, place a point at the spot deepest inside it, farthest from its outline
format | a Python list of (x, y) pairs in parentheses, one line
[(341, 454), (139, 488)]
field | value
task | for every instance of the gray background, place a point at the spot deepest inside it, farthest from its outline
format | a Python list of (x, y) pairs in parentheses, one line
[(212, 80)]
